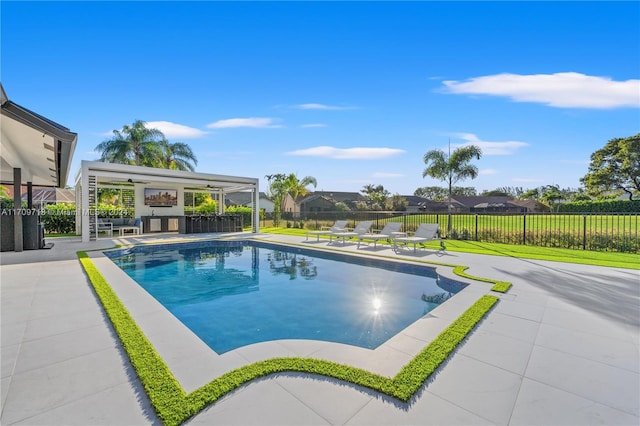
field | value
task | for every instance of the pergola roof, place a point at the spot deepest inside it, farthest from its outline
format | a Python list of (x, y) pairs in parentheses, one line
[(41, 148), (111, 174)]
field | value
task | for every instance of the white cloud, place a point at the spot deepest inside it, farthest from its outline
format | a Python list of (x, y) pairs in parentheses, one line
[(174, 130), (310, 125), (384, 175), (491, 148), (347, 153), (561, 90), (323, 107), (254, 122), (487, 172)]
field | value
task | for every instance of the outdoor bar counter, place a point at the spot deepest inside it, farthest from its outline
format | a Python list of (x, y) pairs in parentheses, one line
[(193, 224)]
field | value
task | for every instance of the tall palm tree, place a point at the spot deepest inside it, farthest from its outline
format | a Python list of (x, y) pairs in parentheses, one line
[(298, 187), (277, 191), (451, 168), (177, 156), (135, 144)]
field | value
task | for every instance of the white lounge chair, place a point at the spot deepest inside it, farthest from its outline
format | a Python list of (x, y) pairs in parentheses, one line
[(106, 227), (361, 228), (339, 225), (425, 232), (389, 232)]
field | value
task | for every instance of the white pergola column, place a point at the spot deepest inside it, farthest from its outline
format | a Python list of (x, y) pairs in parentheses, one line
[(256, 208), (84, 212)]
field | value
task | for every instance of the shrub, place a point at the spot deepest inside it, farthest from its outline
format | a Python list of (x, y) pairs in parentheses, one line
[(601, 206), (59, 218), (209, 206), (245, 212)]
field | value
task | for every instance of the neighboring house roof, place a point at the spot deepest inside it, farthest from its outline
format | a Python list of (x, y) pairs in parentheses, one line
[(51, 195), (422, 203), (415, 200), (242, 198), (472, 202), (341, 197), (313, 197), (496, 205), (532, 205)]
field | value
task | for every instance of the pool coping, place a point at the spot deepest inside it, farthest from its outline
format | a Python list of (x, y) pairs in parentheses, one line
[(194, 364)]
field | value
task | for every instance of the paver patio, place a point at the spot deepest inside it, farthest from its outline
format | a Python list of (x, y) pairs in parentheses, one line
[(561, 347)]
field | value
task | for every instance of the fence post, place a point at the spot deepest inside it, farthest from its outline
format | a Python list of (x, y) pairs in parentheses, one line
[(476, 227), (524, 229), (584, 232)]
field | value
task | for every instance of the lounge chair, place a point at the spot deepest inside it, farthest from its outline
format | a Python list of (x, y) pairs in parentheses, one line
[(388, 232), (106, 227), (339, 225), (361, 228), (425, 232)]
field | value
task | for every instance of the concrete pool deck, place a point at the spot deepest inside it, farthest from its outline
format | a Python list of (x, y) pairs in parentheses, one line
[(561, 347)]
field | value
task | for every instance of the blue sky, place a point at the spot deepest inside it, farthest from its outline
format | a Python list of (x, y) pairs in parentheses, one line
[(351, 93)]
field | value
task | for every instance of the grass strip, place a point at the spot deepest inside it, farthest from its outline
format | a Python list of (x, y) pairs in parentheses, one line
[(173, 406)]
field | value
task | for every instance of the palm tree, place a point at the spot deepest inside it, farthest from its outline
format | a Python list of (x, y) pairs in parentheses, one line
[(451, 168), (277, 192), (135, 144), (298, 187), (177, 156)]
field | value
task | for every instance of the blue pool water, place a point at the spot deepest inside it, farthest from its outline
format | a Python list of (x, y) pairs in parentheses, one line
[(235, 293)]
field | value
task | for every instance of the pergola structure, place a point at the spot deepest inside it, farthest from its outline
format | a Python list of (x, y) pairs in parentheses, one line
[(34, 151), (95, 174)]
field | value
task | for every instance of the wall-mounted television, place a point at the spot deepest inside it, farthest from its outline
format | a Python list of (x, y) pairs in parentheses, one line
[(160, 197)]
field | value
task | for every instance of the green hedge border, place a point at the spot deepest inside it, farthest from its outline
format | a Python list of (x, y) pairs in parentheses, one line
[(173, 406)]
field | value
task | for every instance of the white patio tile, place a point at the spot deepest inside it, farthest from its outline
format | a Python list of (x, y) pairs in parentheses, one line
[(333, 400), (197, 370), (427, 410), (262, 403), (52, 350), (37, 391), (510, 326), (482, 389), (280, 348), (48, 326), (614, 387), (498, 350), (5, 383), (520, 309), (8, 357), (425, 329), (614, 352), (12, 333), (587, 322), (408, 344), (130, 403), (551, 406)]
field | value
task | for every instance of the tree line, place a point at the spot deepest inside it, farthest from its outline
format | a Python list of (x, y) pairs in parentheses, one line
[(613, 170)]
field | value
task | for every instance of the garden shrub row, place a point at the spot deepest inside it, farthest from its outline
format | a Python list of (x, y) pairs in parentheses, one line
[(572, 239), (59, 218), (600, 206)]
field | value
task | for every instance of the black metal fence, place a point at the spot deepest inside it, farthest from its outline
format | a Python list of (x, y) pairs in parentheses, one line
[(619, 232)]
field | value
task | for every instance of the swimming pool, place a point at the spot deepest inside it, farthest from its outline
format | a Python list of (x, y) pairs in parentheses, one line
[(236, 293)]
